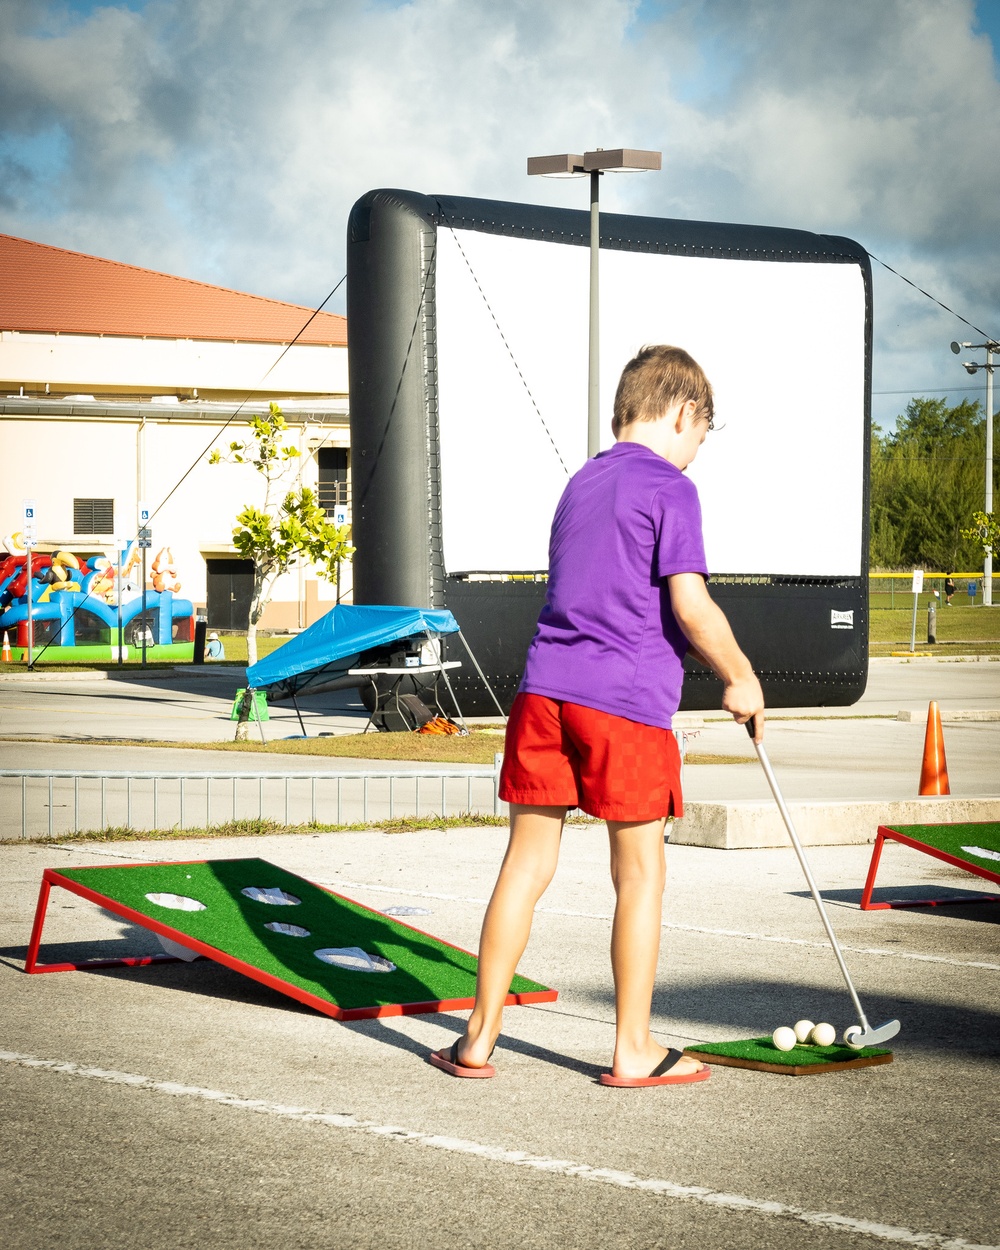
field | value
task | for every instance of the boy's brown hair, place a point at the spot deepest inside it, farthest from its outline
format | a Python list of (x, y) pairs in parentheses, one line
[(655, 379)]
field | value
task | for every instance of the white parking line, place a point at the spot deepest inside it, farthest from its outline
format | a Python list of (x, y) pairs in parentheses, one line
[(340, 883), (566, 1168)]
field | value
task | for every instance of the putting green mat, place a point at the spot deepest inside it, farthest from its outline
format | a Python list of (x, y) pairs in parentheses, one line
[(960, 841), (762, 1054), (428, 971)]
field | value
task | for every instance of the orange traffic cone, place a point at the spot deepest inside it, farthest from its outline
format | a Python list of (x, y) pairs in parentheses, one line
[(934, 770), (6, 658)]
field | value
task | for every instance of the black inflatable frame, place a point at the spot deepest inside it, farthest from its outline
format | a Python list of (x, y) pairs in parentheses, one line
[(783, 623)]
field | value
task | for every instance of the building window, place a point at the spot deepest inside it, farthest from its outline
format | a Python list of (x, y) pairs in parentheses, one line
[(93, 516), (332, 462)]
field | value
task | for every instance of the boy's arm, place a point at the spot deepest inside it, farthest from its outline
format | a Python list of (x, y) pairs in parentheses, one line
[(713, 644)]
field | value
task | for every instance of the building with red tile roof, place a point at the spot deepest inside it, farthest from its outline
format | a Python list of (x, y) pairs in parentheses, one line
[(49, 290), (116, 381)]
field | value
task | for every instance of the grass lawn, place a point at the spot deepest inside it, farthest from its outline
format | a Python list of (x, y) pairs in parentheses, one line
[(260, 827), (960, 630), (478, 748), (236, 646), (236, 657)]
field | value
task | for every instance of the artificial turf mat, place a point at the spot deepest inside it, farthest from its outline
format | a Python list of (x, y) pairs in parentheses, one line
[(761, 1054), (952, 838), (427, 970)]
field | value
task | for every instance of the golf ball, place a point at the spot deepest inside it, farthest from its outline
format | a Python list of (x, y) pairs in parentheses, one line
[(824, 1034), (802, 1029), (783, 1037)]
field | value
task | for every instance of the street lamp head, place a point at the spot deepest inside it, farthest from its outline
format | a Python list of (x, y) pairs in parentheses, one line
[(969, 367), (957, 347), (621, 160), (564, 165)]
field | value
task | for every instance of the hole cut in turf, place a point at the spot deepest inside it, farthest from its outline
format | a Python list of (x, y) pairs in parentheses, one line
[(289, 930), (354, 959), (176, 902), (270, 894)]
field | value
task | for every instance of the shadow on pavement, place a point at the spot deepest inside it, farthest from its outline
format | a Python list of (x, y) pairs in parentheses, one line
[(990, 912), (383, 1033), (748, 1007)]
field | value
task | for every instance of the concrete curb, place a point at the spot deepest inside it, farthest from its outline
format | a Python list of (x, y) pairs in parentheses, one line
[(30, 678), (747, 824), (919, 715), (165, 674)]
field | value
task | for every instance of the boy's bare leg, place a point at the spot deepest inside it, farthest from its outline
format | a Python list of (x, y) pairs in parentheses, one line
[(638, 871), (527, 869)]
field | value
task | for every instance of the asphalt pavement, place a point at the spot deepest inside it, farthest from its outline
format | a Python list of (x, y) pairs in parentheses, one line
[(182, 1105), (856, 753)]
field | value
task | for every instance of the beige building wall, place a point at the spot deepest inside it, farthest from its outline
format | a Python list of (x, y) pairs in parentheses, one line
[(55, 459), (105, 417), (113, 365)]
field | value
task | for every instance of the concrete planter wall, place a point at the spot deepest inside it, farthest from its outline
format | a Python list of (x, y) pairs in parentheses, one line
[(751, 823)]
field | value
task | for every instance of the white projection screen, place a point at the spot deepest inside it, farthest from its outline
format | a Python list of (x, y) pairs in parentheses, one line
[(468, 341), (780, 480)]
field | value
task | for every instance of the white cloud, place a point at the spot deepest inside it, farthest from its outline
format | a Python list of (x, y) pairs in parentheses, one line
[(227, 139)]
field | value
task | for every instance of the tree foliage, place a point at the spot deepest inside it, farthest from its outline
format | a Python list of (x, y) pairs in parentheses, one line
[(926, 482), (279, 536), (985, 530)]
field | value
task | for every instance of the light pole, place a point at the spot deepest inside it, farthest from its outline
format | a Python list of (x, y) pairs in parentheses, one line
[(989, 348), (572, 165)]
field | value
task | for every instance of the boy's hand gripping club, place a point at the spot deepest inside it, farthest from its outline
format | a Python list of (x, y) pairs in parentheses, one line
[(858, 1035)]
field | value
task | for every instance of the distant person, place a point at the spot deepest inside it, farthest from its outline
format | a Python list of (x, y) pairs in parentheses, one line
[(215, 650), (949, 589)]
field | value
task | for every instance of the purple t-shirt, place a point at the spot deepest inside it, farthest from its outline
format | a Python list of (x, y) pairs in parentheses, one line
[(607, 637)]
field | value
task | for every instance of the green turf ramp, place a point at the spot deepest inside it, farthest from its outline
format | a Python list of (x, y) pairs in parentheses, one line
[(427, 969), (954, 839)]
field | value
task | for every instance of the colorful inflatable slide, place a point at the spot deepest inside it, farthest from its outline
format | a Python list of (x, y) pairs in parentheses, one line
[(75, 606)]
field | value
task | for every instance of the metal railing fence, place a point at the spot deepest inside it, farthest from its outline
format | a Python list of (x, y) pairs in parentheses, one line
[(43, 803), (892, 590)]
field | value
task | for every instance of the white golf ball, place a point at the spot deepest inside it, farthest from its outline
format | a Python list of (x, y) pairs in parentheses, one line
[(802, 1029), (824, 1034), (783, 1037)]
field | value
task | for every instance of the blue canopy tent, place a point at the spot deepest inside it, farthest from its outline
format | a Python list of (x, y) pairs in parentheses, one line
[(321, 657)]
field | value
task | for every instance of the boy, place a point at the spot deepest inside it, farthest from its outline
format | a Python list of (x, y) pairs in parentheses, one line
[(591, 723)]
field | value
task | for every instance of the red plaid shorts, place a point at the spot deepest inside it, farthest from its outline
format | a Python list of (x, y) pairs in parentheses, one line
[(564, 755)]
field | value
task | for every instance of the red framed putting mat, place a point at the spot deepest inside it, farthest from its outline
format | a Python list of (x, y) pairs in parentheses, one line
[(230, 927), (973, 847)]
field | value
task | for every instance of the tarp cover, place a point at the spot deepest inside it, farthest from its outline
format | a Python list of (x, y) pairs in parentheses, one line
[(333, 644)]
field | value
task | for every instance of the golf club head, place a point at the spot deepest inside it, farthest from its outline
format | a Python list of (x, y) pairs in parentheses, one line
[(857, 1038)]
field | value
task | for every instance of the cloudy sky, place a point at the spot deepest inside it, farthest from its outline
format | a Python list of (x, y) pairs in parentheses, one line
[(226, 140)]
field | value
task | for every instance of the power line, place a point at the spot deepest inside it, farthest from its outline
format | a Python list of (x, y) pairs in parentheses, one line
[(933, 298), (287, 348), (930, 390)]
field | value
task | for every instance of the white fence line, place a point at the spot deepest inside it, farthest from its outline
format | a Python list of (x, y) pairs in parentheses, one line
[(154, 800)]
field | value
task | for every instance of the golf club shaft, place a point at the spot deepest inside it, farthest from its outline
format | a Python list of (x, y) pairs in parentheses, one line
[(765, 763)]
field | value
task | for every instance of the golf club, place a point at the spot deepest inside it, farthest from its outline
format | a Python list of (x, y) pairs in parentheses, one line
[(858, 1035)]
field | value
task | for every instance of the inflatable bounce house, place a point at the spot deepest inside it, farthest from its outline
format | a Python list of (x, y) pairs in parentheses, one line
[(75, 606)]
